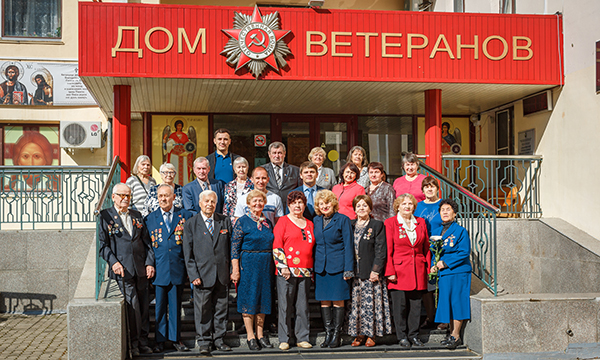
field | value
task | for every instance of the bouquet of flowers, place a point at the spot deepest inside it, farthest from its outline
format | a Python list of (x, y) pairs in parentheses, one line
[(435, 244)]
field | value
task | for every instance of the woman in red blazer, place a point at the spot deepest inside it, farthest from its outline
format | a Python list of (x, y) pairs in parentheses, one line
[(408, 257)]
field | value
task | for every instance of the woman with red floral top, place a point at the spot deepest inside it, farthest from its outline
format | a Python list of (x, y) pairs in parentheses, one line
[(348, 189), (407, 266), (293, 254)]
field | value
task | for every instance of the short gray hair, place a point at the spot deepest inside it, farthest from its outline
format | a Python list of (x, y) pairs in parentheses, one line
[(165, 185), (276, 145), (167, 166), (240, 160), (138, 161), (207, 193), (201, 159), (114, 190)]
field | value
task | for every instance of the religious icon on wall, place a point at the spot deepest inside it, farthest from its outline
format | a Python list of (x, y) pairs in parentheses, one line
[(182, 139), (31, 146), (451, 141)]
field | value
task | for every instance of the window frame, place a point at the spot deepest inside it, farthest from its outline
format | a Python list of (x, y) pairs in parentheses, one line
[(31, 38)]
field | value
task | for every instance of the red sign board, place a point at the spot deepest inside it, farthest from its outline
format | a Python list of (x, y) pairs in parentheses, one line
[(137, 40)]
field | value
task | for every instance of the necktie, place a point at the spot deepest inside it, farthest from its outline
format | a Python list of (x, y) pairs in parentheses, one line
[(310, 199), (203, 186), (209, 225), (277, 175), (168, 221)]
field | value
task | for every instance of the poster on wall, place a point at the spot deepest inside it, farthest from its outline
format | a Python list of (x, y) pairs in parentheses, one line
[(178, 140), (42, 84), (31, 146)]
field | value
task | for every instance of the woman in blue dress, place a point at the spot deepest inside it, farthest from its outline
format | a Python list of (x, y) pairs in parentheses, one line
[(252, 262), (429, 210), (334, 264), (454, 268)]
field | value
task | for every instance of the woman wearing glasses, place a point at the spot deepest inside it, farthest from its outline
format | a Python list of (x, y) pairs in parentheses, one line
[(167, 173), (293, 254)]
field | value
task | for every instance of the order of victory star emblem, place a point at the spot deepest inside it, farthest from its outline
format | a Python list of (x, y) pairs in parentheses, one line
[(256, 41)]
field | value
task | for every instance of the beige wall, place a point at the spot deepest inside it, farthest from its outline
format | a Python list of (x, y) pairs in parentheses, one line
[(63, 50), (329, 4)]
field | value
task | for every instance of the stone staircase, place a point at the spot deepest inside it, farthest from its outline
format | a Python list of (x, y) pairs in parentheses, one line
[(236, 336)]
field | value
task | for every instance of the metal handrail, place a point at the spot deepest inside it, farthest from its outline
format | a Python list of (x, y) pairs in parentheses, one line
[(493, 157), (459, 188), (113, 168)]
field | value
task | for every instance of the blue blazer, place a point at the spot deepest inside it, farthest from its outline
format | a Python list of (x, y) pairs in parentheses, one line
[(168, 250), (456, 250), (191, 193), (309, 211), (334, 245)]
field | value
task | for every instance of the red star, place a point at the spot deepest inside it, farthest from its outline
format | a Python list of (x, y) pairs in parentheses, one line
[(235, 34)]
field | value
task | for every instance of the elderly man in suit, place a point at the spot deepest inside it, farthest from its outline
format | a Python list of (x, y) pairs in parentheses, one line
[(206, 247), (125, 245), (192, 191), (283, 177), (165, 226), (309, 173)]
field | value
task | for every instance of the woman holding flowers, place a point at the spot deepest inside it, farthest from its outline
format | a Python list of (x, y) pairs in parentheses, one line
[(408, 259), (454, 268)]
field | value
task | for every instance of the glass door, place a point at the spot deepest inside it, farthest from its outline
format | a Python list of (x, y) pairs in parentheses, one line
[(333, 138)]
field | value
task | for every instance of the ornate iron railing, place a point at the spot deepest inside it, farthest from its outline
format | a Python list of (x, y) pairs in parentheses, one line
[(105, 201), (49, 197), (510, 183), (479, 218)]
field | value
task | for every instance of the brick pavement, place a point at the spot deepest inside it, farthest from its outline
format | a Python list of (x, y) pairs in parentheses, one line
[(41, 337)]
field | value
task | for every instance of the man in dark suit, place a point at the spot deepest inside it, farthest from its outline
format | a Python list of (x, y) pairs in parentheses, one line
[(165, 226), (125, 245), (221, 161), (283, 177), (206, 247), (309, 173), (191, 191)]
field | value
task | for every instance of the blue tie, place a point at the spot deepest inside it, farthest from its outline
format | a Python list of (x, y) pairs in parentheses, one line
[(168, 221), (209, 225), (310, 200)]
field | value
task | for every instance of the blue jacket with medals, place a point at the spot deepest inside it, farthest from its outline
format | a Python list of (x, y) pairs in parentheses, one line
[(457, 250), (167, 245)]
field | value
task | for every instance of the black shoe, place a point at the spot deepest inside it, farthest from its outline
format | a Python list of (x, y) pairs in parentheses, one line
[(204, 349), (328, 324), (253, 344), (404, 343), (223, 347), (145, 349), (265, 343), (453, 343), (338, 322), (135, 352), (417, 342), (179, 346), (160, 347), (445, 340)]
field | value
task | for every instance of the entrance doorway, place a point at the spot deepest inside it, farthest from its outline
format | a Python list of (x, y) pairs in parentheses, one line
[(300, 133)]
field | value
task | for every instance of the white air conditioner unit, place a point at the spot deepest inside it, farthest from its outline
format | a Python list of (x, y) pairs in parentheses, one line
[(80, 134)]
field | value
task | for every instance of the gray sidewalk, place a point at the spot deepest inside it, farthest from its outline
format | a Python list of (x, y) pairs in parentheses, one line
[(33, 336)]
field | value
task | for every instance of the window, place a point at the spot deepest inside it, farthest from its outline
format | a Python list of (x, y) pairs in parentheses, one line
[(31, 18), (30, 145), (508, 6), (243, 128)]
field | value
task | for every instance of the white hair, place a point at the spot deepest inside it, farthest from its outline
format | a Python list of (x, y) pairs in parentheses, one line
[(114, 190), (201, 159), (165, 185), (167, 166), (240, 160), (139, 160), (207, 193)]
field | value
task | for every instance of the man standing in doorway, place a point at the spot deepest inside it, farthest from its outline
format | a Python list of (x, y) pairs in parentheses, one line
[(191, 191), (283, 177), (221, 161), (125, 245), (309, 173)]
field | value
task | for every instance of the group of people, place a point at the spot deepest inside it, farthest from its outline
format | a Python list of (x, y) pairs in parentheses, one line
[(363, 243)]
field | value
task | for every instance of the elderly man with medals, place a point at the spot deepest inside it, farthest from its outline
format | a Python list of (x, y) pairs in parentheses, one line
[(165, 226)]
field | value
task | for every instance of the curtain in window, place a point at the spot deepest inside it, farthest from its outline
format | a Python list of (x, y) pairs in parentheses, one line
[(31, 18)]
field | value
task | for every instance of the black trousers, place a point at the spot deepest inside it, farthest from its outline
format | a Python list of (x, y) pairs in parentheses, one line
[(135, 292), (210, 313), (406, 306)]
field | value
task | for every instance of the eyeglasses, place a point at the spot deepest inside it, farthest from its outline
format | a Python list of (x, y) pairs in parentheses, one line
[(124, 196), (168, 173)]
